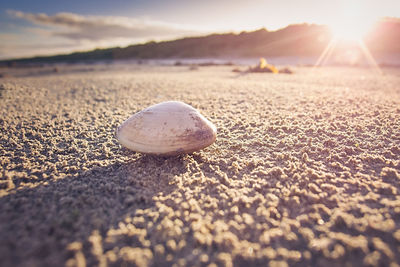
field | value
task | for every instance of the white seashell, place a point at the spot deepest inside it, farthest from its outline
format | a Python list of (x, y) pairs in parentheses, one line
[(168, 128)]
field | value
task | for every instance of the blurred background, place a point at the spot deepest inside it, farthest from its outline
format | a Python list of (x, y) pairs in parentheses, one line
[(351, 32)]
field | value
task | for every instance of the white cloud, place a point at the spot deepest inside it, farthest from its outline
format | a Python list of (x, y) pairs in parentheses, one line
[(69, 32), (95, 28)]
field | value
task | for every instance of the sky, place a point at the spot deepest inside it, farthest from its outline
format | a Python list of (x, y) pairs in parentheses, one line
[(47, 27)]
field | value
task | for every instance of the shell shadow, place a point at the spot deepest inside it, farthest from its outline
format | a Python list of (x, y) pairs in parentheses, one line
[(40, 222)]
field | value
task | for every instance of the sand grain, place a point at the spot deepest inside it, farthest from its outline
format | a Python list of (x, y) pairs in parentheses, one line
[(305, 170)]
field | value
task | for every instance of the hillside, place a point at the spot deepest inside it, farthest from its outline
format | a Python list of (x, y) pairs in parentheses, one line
[(294, 40)]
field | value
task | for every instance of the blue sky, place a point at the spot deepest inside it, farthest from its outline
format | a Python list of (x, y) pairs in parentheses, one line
[(42, 27)]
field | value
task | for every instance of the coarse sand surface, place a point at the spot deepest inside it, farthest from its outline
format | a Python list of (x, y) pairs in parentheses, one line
[(305, 170)]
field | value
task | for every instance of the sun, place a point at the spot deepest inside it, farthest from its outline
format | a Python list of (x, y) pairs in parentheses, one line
[(350, 29), (352, 20), (348, 34)]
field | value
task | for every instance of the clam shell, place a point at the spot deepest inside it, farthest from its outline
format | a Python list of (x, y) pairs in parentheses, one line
[(168, 128)]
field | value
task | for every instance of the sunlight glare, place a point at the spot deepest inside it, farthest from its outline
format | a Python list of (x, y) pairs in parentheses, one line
[(353, 21), (350, 30)]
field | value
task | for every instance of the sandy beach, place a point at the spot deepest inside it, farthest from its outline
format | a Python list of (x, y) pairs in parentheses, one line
[(305, 170)]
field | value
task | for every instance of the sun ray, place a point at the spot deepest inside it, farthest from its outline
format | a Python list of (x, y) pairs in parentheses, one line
[(332, 45), (369, 56), (326, 53)]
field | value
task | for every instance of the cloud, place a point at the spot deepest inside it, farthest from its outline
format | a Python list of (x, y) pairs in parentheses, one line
[(96, 28)]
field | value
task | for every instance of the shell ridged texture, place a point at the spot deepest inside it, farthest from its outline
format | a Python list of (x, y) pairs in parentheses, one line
[(168, 128)]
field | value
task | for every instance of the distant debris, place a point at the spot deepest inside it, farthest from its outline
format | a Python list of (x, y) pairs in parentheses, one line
[(264, 67), (5, 75), (236, 70), (286, 71), (211, 63), (203, 64)]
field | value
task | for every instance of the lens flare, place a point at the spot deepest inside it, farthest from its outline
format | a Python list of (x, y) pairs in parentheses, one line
[(347, 41), (350, 30)]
